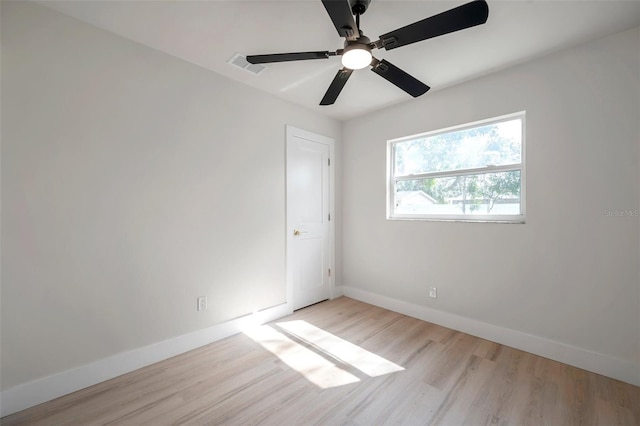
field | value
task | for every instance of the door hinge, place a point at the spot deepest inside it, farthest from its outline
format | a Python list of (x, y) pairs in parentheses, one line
[(329, 216), (328, 161), (329, 271)]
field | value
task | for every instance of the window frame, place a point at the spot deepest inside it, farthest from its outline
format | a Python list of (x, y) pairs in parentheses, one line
[(484, 218)]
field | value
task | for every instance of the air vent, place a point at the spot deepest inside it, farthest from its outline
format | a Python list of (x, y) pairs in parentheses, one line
[(240, 61)]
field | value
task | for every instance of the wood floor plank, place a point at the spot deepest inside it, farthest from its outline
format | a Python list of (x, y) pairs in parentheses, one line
[(460, 399), (442, 377)]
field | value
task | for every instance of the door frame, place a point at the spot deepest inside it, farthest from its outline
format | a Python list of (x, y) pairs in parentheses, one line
[(290, 133)]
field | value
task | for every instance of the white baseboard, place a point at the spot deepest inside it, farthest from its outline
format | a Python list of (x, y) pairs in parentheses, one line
[(606, 365), (45, 389)]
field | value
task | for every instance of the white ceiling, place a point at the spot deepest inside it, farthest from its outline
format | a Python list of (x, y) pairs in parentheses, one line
[(208, 33)]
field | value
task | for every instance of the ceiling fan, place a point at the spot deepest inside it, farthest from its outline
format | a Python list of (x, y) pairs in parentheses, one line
[(357, 47)]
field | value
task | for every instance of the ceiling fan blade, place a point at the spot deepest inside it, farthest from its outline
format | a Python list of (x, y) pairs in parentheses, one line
[(340, 13), (465, 16), (285, 57), (398, 77), (336, 86)]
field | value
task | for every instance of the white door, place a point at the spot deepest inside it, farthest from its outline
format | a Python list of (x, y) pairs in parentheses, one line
[(309, 249)]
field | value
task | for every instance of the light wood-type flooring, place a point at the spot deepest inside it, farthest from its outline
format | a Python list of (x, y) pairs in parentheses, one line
[(347, 362)]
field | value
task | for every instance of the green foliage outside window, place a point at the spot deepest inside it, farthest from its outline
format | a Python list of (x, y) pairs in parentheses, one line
[(477, 150)]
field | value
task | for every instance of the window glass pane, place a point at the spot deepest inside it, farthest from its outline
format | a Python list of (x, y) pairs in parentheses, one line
[(481, 194), (493, 144)]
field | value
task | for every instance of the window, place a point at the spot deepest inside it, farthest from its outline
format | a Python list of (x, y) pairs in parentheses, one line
[(473, 172)]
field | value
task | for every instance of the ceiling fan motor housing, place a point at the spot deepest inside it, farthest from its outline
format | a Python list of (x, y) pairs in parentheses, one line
[(363, 42)]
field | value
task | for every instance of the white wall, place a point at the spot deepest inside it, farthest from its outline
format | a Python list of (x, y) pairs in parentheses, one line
[(571, 273), (132, 182)]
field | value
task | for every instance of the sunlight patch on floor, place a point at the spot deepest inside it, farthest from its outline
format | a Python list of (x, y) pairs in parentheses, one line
[(317, 363), (365, 361), (315, 368)]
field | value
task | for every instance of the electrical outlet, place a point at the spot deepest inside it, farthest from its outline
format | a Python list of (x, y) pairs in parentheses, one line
[(202, 303), (433, 292)]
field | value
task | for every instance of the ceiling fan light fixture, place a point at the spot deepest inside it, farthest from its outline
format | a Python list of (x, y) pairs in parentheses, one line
[(356, 57)]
